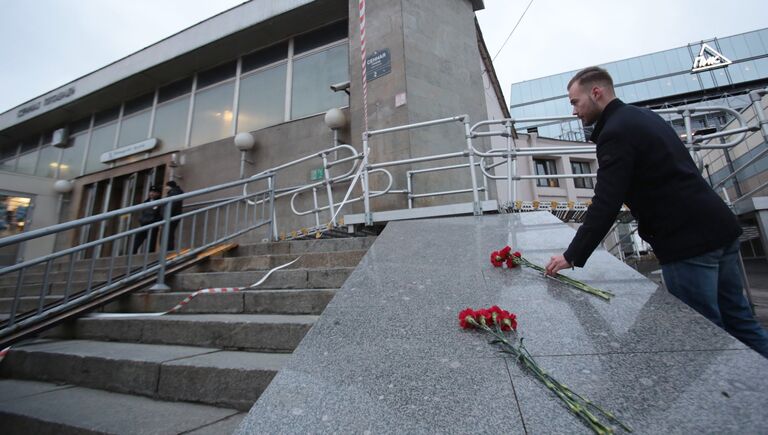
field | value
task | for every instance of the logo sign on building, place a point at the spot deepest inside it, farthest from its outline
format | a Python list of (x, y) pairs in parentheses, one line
[(37, 105), (129, 150), (377, 64), (709, 58)]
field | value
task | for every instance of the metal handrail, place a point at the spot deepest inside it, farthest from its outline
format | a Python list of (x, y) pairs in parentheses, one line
[(138, 265)]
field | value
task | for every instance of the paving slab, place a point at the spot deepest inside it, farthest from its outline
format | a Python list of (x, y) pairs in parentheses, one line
[(387, 354)]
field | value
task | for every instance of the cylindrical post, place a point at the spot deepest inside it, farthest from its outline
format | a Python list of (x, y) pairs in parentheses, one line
[(272, 223), (329, 189), (478, 210), (510, 172), (314, 202), (366, 189), (409, 184), (160, 285), (689, 141)]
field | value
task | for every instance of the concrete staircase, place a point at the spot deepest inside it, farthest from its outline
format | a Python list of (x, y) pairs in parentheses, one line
[(195, 371)]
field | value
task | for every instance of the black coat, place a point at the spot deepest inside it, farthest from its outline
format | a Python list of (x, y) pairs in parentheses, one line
[(151, 214), (643, 164), (177, 206)]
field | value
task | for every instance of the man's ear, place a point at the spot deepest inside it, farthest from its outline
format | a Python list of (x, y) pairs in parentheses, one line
[(597, 92)]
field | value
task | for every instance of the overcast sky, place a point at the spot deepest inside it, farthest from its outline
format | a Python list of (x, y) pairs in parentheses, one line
[(47, 43)]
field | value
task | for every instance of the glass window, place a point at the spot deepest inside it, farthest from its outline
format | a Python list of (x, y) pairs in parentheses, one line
[(582, 168), (761, 66), (106, 116), (262, 99), (312, 77), (175, 89), (216, 74), (320, 37), (546, 167), (72, 157), (265, 57), (143, 102), (171, 124), (212, 118), (48, 161), (8, 157), (134, 128), (28, 156), (102, 140), (80, 126)]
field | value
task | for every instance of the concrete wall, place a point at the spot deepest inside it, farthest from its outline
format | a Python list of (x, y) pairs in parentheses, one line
[(436, 66)]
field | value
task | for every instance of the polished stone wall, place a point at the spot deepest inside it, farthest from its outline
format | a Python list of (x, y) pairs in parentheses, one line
[(387, 355)]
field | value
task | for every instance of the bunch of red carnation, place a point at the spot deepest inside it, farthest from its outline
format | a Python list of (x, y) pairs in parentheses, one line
[(505, 255), (488, 317)]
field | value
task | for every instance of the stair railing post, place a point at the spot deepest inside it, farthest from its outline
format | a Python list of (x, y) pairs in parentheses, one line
[(477, 208), (272, 224), (366, 190), (329, 189), (160, 285)]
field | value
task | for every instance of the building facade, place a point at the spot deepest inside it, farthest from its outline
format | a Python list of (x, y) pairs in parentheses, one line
[(714, 72), (171, 110)]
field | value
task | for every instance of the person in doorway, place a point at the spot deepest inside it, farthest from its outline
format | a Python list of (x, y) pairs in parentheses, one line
[(176, 209), (149, 215), (694, 234)]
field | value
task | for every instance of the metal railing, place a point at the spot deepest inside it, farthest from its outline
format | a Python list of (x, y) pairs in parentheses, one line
[(59, 286)]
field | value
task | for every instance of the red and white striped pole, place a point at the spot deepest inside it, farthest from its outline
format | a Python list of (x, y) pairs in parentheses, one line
[(361, 6)]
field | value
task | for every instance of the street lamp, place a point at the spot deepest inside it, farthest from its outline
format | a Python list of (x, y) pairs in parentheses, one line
[(244, 142)]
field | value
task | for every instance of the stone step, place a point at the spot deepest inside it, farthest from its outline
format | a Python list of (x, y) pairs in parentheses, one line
[(45, 408), (100, 274), (27, 303), (252, 332), (281, 279), (296, 301), (177, 373), (53, 289), (303, 246), (312, 260)]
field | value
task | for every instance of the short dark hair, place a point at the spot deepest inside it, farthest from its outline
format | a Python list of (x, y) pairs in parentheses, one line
[(155, 189), (593, 75), (171, 184)]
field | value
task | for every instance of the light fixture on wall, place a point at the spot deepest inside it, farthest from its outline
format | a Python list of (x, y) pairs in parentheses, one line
[(63, 186), (244, 142)]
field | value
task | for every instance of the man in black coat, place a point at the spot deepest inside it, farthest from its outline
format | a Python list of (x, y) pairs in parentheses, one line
[(643, 164), (149, 215), (176, 209)]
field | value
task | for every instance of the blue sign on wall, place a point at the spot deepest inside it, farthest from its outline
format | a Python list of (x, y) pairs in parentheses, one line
[(377, 64)]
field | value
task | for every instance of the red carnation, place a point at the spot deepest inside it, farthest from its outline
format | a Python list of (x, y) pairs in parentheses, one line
[(496, 259), (484, 316), (511, 262), (505, 251), (469, 312), (517, 254)]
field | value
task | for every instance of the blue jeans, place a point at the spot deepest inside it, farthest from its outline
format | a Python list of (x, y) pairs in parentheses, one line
[(711, 284)]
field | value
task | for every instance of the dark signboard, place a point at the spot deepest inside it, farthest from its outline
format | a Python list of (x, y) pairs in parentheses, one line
[(377, 64)]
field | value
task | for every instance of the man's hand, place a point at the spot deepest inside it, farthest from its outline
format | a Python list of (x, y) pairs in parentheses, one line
[(557, 263)]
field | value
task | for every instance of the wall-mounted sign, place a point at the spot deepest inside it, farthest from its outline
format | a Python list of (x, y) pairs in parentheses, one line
[(316, 174), (129, 150), (377, 64), (709, 58), (66, 93)]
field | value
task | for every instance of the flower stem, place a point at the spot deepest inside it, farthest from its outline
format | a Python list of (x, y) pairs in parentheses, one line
[(570, 281), (576, 404)]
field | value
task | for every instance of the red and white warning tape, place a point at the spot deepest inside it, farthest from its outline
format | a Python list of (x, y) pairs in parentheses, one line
[(213, 290), (361, 7)]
